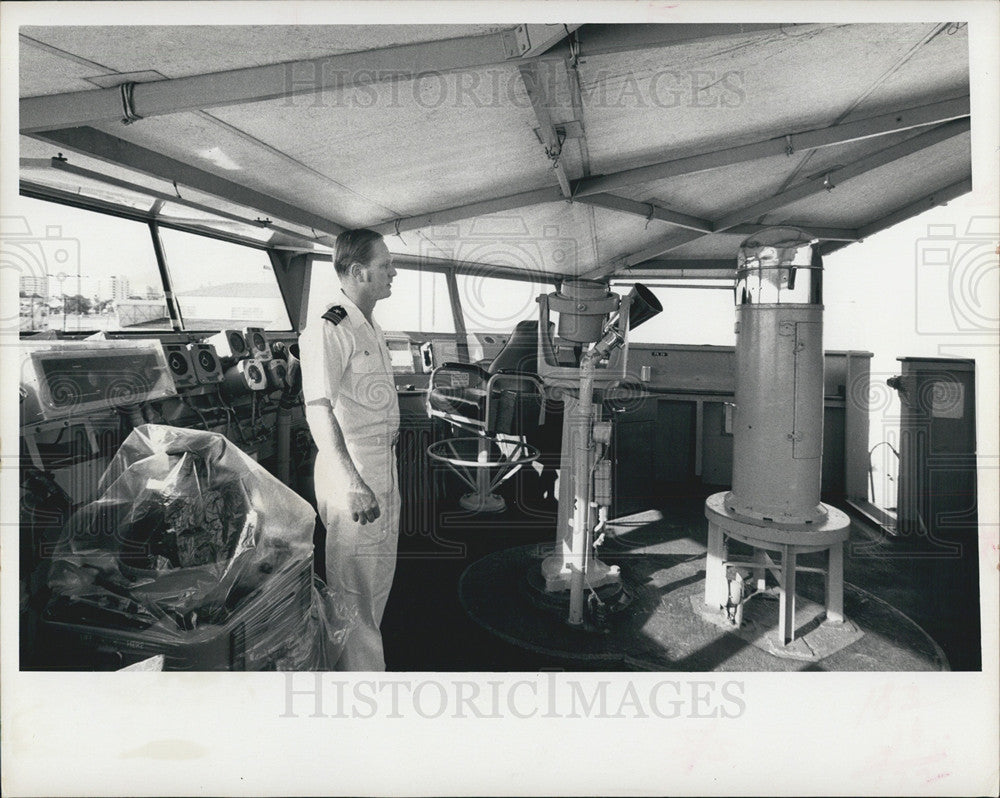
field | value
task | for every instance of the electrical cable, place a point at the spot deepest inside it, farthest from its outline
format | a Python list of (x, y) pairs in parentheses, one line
[(230, 409), (190, 405)]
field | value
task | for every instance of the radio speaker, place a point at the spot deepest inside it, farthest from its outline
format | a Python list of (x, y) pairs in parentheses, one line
[(206, 364), (277, 372), (181, 368), (229, 344), (257, 343)]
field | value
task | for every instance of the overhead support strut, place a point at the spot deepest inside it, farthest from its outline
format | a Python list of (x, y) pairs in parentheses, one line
[(711, 158), (456, 214), (788, 144), (845, 234), (648, 209), (941, 196), (815, 185), (135, 101), (110, 149), (551, 137), (685, 268), (830, 180)]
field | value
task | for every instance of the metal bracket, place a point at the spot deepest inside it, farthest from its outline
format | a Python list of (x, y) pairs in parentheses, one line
[(515, 42), (128, 104), (553, 153), (522, 38), (571, 129)]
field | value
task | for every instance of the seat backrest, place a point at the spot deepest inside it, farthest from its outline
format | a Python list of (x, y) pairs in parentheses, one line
[(521, 351)]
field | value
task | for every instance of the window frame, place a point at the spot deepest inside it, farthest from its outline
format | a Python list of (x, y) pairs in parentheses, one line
[(153, 225), (293, 305), (451, 272)]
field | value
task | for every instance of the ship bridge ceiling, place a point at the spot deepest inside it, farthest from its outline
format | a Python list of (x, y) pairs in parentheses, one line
[(559, 149)]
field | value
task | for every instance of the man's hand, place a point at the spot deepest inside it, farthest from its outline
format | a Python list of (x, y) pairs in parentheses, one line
[(362, 502)]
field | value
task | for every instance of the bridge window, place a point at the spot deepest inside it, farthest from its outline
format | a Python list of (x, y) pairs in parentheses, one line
[(81, 271), (493, 304), (220, 285), (419, 300), (694, 312)]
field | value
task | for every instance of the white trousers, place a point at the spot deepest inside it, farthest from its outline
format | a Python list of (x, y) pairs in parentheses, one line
[(361, 559)]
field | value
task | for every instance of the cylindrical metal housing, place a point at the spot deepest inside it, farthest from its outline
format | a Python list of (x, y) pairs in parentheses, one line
[(778, 419), (583, 307)]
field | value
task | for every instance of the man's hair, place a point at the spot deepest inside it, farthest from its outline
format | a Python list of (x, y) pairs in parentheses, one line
[(354, 246)]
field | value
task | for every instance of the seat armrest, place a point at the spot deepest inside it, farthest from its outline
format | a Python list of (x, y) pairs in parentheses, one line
[(519, 377), (515, 373), (465, 368)]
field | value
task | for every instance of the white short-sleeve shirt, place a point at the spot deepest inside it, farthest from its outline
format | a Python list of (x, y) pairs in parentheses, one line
[(346, 361)]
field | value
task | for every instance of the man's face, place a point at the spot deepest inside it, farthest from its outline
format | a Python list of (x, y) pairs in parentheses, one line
[(380, 272)]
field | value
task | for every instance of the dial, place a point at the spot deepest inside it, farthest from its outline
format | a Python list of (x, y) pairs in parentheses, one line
[(178, 363)]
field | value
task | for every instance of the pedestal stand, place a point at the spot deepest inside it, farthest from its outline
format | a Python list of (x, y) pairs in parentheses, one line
[(786, 540)]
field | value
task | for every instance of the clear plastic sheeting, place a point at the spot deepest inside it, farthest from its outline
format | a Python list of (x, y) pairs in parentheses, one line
[(76, 378), (195, 551)]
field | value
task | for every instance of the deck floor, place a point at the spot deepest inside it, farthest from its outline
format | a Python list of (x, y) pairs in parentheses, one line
[(461, 599)]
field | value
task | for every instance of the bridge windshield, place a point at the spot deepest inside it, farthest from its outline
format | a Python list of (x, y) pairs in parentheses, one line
[(496, 305), (219, 284), (419, 300), (71, 280)]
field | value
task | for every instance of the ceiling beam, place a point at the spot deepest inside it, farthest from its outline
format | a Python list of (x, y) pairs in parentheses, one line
[(576, 98), (651, 211), (619, 38), (671, 273), (110, 149), (550, 137), (711, 158), (535, 39), (834, 177), (828, 181), (941, 196), (787, 144), (482, 208), (647, 210), (344, 70), (274, 81), (847, 234), (626, 262)]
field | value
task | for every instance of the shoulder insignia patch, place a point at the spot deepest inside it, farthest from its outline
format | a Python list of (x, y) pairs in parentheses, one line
[(336, 314)]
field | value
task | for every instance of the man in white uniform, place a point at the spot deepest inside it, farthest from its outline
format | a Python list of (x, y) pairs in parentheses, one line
[(353, 415)]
